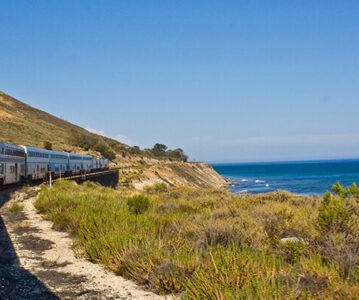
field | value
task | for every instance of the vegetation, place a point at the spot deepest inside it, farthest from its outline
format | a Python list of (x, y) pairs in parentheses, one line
[(16, 207), (47, 145), (138, 204), (211, 244), (87, 142), (162, 151)]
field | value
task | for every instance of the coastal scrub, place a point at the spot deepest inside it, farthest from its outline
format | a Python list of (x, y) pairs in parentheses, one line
[(211, 244)]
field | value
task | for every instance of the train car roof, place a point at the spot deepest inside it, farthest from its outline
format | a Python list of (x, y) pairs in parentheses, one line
[(29, 148), (58, 152), (4, 144)]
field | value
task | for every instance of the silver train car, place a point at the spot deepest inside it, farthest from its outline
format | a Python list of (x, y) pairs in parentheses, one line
[(75, 164), (59, 163), (24, 163), (12, 163), (87, 163), (37, 163)]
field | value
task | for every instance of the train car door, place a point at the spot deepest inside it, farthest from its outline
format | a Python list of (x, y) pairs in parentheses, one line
[(10, 173), (16, 172), (2, 173)]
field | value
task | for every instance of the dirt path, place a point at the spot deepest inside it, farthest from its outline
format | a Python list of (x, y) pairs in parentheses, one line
[(37, 262)]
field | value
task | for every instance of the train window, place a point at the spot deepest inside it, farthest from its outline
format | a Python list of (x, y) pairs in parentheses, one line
[(1, 150), (1, 168), (75, 157), (12, 169), (37, 154), (13, 152), (59, 156)]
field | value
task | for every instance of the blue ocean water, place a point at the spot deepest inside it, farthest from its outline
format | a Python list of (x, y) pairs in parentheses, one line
[(302, 177)]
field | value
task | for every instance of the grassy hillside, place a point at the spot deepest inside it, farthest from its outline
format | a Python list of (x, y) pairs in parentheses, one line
[(211, 244), (24, 125)]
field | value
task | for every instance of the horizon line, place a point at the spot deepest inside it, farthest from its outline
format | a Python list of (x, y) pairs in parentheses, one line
[(284, 161)]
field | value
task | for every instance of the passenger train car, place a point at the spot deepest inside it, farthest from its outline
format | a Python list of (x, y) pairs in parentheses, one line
[(12, 163), (87, 163), (23, 163), (37, 163), (75, 163), (59, 163)]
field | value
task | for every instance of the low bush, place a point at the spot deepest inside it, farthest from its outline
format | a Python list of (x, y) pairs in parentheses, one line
[(16, 207), (335, 214), (138, 204), (293, 250), (156, 188)]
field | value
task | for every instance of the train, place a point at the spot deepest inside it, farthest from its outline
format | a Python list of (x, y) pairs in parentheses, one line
[(20, 164)]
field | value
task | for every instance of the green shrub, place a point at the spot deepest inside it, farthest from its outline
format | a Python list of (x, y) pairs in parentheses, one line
[(162, 151), (343, 192), (16, 207), (47, 145), (156, 188), (138, 204), (354, 191), (105, 151), (334, 213), (294, 250), (90, 141)]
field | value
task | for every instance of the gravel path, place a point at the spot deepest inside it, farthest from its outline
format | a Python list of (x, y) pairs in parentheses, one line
[(37, 262)]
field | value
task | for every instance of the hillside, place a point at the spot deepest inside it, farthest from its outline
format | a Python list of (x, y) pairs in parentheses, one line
[(24, 125)]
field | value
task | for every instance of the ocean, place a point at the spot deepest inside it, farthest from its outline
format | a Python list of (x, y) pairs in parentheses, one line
[(302, 177)]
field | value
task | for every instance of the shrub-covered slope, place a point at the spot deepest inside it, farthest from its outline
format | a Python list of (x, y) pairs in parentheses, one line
[(210, 244)]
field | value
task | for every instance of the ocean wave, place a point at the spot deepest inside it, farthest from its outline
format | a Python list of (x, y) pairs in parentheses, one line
[(243, 191), (244, 180), (259, 181)]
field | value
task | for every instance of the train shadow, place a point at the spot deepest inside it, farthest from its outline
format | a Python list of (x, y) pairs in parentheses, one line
[(15, 281)]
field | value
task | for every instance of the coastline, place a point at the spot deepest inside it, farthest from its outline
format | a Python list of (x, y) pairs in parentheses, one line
[(304, 178)]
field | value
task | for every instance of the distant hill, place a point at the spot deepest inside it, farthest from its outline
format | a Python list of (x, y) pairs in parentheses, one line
[(24, 125)]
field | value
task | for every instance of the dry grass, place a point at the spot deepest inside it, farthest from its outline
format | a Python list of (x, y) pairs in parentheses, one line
[(210, 244)]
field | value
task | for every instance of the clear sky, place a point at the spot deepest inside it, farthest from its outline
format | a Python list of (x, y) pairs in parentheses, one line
[(225, 80)]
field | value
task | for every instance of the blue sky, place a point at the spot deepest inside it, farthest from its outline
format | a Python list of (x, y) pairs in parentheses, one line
[(224, 80)]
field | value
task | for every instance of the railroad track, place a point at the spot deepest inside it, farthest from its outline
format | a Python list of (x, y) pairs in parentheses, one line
[(9, 186)]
